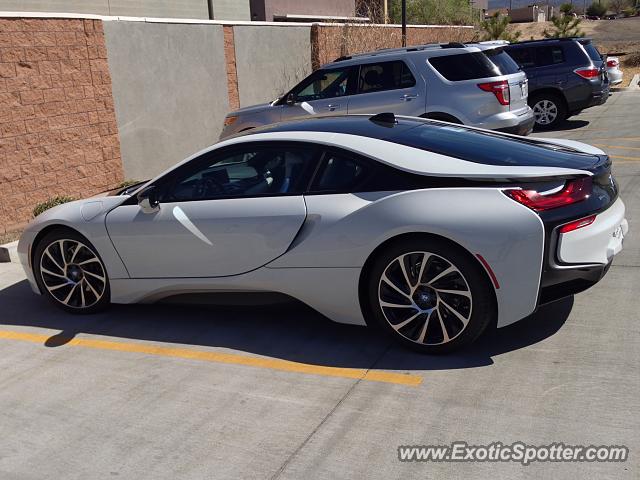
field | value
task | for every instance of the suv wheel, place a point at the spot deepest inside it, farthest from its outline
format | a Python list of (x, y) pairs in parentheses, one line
[(548, 110)]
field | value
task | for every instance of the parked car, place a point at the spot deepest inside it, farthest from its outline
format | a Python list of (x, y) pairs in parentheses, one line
[(565, 75), (613, 70), (428, 230), (472, 85)]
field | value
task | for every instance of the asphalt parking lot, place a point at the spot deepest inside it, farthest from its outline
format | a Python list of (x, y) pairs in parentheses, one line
[(280, 392)]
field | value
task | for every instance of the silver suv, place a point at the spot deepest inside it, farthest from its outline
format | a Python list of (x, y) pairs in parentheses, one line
[(473, 84)]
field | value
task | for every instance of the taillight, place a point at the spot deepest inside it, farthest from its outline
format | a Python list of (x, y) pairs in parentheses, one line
[(573, 191), (587, 73), (612, 63), (576, 224), (499, 89)]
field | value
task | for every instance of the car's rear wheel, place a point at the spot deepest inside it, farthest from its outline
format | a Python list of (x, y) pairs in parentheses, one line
[(548, 110), (70, 273), (429, 295)]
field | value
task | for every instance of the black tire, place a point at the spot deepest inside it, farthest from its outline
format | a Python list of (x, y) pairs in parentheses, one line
[(544, 106), (80, 267), (470, 279)]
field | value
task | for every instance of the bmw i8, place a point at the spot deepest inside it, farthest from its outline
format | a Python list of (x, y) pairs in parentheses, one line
[(428, 230)]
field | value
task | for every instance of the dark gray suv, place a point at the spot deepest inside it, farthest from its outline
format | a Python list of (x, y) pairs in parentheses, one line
[(566, 75)]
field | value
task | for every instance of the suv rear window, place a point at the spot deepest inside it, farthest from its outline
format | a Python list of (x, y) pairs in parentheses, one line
[(592, 51), (465, 66), (376, 77), (502, 60)]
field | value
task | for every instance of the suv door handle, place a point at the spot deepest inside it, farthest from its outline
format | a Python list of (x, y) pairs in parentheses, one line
[(407, 98), (333, 106)]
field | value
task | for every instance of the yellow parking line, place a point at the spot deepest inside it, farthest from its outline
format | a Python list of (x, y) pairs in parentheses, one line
[(230, 358), (622, 147), (636, 159)]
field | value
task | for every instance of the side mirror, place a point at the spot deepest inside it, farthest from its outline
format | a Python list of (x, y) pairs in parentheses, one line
[(291, 100), (148, 199)]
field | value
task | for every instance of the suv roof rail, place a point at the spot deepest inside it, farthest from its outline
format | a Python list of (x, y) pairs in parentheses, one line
[(412, 48), (563, 39)]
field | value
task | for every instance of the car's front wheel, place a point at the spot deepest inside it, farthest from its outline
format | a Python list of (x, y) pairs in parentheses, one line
[(429, 295), (70, 273)]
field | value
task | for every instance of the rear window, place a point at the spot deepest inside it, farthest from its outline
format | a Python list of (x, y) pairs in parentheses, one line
[(551, 55), (502, 60), (592, 51), (490, 148), (465, 66), (376, 77)]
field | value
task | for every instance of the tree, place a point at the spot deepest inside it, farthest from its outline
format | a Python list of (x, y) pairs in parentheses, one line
[(495, 28), (617, 6), (566, 8), (597, 9), (566, 26), (434, 12)]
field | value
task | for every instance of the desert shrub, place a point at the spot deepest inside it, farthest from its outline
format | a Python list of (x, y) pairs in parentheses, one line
[(52, 202)]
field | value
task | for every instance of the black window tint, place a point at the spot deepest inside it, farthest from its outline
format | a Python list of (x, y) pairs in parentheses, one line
[(550, 55), (489, 148), (339, 173), (525, 57), (248, 172), (502, 60), (592, 51), (323, 84), (465, 66), (375, 77)]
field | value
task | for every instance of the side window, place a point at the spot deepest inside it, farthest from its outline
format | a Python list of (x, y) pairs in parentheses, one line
[(525, 57), (248, 172), (549, 56), (376, 77), (339, 173), (323, 84)]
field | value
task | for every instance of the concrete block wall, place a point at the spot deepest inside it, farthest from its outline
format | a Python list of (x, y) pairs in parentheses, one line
[(58, 132), (170, 91), (270, 60), (85, 103)]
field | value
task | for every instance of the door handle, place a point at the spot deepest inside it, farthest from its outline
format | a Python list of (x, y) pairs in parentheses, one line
[(333, 106), (407, 98)]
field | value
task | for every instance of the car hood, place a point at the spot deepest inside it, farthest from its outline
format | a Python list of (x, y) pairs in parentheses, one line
[(251, 110)]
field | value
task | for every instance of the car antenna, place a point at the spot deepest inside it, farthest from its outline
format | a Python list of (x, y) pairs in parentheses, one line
[(386, 118)]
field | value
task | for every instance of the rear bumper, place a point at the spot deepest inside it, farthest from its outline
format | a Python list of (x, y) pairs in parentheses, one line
[(510, 122), (579, 259), (525, 127)]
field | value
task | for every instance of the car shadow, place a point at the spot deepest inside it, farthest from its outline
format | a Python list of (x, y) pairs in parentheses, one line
[(289, 331), (570, 124)]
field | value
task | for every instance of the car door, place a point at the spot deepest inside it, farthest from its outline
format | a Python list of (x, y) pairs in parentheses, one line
[(324, 92), (387, 87), (224, 213)]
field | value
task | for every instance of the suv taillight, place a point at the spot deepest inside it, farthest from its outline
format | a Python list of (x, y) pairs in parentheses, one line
[(587, 73), (499, 89), (574, 191), (612, 63)]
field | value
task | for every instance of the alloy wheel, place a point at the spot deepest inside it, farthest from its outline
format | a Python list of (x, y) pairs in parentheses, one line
[(545, 112), (73, 274), (425, 298)]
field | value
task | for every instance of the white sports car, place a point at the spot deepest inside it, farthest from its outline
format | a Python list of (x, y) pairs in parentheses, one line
[(428, 230)]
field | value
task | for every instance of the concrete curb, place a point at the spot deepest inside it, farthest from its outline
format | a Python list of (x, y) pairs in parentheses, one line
[(9, 252)]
